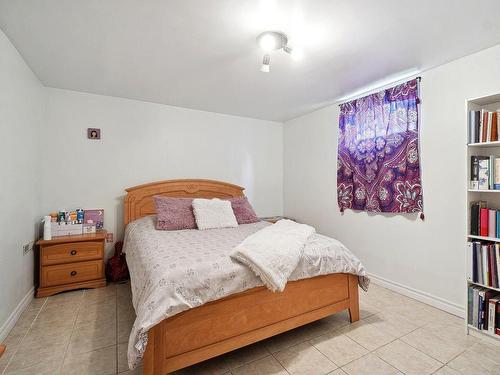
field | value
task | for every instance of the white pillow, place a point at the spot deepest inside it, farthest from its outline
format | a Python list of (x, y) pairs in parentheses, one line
[(214, 213)]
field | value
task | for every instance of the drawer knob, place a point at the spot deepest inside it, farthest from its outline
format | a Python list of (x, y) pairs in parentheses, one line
[(73, 252), (73, 273)]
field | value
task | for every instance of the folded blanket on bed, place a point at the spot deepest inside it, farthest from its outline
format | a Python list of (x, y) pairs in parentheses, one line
[(274, 252)]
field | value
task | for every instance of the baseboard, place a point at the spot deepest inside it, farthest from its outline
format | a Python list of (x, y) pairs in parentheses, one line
[(14, 317), (429, 299)]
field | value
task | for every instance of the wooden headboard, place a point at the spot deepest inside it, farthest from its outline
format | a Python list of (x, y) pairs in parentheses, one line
[(139, 199)]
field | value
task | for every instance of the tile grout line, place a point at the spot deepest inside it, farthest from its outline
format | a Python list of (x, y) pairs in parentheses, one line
[(368, 350), (116, 332), (435, 372), (25, 334), (323, 334), (71, 335), (382, 359), (308, 340), (253, 361), (312, 338), (458, 355), (276, 359), (388, 364), (427, 354), (269, 354), (373, 351), (445, 363), (319, 351), (366, 354)]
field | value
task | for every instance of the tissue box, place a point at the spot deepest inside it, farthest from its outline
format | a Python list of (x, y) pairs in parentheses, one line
[(63, 229), (89, 228)]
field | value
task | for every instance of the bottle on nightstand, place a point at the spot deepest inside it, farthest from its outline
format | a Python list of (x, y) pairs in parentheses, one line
[(47, 228)]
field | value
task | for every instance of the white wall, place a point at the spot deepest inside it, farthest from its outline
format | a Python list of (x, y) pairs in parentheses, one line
[(21, 119), (427, 257), (144, 142)]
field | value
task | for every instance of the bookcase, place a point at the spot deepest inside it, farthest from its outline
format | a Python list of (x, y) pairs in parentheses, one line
[(487, 284)]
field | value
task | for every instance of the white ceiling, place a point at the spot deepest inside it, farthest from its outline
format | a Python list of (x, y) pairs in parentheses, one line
[(202, 54)]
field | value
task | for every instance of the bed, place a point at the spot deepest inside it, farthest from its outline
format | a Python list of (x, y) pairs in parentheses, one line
[(241, 318)]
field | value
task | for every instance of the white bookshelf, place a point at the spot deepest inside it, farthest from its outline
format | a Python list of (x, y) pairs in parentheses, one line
[(484, 144), (483, 238), (493, 200), (483, 191)]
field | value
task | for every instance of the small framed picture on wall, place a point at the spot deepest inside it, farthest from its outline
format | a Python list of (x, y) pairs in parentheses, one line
[(93, 133)]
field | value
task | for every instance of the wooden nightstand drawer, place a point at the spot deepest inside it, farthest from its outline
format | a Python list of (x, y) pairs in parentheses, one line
[(70, 262), (71, 273), (72, 252)]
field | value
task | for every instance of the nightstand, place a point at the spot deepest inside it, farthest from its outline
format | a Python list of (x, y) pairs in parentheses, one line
[(70, 262)]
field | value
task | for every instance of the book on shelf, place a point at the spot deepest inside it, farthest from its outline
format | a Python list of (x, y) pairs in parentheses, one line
[(474, 121), (492, 225), (475, 305), (484, 172), (469, 267), (492, 310), (470, 304), (475, 227), (493, 265), (491, 171), (482, 309), (483, 222), (474, 173), (482, 297), (496, 174), (484, 126), (483, 263)]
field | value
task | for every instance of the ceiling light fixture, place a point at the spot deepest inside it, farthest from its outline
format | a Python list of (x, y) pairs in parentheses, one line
[(271, 41)]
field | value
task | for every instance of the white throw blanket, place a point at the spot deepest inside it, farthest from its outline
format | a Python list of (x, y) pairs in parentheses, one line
[(274, 252)]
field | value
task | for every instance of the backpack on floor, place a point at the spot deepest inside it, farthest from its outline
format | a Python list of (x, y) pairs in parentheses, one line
[(116, 268)]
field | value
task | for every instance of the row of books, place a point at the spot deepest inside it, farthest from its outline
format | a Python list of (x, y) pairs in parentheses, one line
[(483, 309), (484, 263), (484, 126), (484, 172), (484, 221)]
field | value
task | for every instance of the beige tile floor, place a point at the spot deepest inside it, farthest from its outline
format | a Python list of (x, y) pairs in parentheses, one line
[(86, 332)]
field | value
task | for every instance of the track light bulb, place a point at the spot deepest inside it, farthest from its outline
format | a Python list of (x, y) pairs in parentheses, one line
[(265, 63)]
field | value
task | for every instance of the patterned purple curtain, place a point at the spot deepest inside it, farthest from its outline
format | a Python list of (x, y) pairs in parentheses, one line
[(378, 167)]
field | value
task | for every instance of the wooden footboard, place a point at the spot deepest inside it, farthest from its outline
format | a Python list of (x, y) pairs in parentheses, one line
[(241, 319), (244, 318)]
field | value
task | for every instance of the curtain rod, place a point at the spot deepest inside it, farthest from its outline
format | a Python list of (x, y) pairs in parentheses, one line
[(367, 92)]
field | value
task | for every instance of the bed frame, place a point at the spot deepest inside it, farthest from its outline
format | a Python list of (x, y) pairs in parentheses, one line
[(241, 319)]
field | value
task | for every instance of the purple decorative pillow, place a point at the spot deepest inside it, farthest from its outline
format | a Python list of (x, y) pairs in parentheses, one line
[(243, 210), (174, 213)]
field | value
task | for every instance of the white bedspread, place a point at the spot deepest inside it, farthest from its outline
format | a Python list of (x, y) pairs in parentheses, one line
[(173, 271), (274, 252)]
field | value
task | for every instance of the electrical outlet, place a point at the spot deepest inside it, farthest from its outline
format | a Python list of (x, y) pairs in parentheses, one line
[(109, 237), (27, 247)]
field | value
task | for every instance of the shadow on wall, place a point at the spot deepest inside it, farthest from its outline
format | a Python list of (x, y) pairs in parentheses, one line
[(247, 177), (119, 226), (409, 217)]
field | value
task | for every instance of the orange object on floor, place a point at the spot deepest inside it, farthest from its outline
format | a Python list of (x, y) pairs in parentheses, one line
[(2, 349)]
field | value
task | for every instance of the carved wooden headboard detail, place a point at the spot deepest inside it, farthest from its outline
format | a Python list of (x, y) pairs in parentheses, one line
[(139, 199)]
